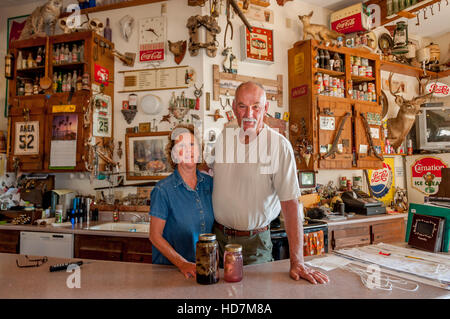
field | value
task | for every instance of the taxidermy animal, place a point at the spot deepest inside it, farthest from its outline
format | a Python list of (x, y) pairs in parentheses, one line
[(317, 31), (178, 49), (42, 16), (229, 64), (400, 126)]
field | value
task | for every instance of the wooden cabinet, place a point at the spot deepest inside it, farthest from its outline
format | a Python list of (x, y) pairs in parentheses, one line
[(48, 117), (329, 116), (366, 233), (9, 241), (113, 248)]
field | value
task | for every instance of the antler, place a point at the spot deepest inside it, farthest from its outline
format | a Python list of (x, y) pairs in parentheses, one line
[(390, 85), (422, 89)]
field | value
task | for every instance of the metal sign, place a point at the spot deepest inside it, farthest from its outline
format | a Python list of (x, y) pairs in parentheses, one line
[(439, 89), (27, 138)]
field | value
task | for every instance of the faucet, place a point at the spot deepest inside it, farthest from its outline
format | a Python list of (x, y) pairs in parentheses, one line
[(138, 219)]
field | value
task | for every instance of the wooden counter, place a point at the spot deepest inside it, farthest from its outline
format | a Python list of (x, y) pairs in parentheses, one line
[(110, 280)]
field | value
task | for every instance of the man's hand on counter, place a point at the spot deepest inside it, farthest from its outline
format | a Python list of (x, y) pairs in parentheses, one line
[(313, 276)]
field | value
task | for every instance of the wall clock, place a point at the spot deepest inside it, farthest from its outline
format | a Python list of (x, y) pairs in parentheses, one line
[(257, 46), (152, 39)]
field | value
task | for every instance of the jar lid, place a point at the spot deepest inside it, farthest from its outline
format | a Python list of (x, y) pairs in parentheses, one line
[(207, 237), (235, 248)]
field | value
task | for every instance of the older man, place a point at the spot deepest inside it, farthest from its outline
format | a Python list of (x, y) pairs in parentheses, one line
[(255, 177)]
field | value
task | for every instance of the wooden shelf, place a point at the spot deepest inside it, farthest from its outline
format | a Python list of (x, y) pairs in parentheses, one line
[(69, 65), (329, 72), (113, 6), (359, 79), (444, 74), (28, 70), (406, 13), (405, 69)]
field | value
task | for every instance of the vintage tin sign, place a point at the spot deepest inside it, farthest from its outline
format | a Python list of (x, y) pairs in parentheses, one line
[(382, 180), (426, 174)]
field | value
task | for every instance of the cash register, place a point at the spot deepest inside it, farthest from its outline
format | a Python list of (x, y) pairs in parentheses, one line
[(361, 203)]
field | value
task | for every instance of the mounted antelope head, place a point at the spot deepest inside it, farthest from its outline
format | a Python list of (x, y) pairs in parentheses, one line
[(400, 126)]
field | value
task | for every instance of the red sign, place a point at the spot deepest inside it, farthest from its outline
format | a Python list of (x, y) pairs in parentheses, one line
[(349, 24), (426, 174), (299, 91), (438, 89), (151, 55), (101, 75)]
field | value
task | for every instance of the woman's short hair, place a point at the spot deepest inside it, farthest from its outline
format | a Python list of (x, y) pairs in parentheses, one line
[(177, 130)]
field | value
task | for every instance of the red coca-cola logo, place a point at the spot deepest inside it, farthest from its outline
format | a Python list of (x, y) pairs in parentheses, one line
[(379, 176), (152, 55), (299, 91), (346, 24)]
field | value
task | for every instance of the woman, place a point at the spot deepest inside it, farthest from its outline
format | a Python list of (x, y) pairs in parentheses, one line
[(181, 204)]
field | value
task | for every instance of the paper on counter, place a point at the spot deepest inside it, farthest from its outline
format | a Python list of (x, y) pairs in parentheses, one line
[(328, 263)]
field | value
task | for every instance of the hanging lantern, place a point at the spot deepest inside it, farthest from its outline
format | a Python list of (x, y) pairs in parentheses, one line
[(9, 63), (400, 38)]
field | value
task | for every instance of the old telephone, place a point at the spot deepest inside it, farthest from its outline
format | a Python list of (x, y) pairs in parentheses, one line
[(361, 203)]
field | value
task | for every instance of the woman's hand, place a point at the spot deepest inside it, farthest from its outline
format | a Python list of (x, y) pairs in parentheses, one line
[(187, 269)]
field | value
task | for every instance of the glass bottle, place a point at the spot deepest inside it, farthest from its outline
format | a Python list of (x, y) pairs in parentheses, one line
[(30, 61), (337, 63), (233, 263), (36, 86), (207, 259), (21, 88), (62, 57), (107, 32), (19, 60), (56, 55), (79, 83), (74, 80), (81, 52), (64, 83), (327, 60), (66, 53), (39, 57), (75, 54), (59, 90), (322, 59), (55, 83), (69, 55), (69, 82)]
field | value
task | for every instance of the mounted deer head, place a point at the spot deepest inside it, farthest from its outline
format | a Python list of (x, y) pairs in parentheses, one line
[(400, 126)]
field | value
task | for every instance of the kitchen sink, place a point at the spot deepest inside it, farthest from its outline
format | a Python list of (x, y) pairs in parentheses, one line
[(125, 227)]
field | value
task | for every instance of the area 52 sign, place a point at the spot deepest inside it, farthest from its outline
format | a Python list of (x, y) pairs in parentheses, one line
[(27, 138)]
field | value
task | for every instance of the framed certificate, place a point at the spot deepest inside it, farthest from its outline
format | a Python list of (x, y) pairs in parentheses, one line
[(257, 46)]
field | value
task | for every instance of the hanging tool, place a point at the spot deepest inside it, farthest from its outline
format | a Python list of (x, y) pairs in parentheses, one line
[(334, 148), (369, 137)]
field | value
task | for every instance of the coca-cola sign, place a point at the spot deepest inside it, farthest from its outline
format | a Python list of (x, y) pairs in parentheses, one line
[(438, 89), (350, 24), (426, 174), (299, 91), (151, 55)]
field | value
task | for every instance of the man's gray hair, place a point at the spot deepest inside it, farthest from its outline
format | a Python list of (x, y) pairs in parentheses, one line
[(243, 84)]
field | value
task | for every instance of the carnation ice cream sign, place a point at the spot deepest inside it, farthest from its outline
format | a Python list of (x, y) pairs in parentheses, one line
[(426, 174)]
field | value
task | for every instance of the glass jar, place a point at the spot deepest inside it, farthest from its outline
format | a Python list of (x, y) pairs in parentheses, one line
[(233, 263), (207, 259)]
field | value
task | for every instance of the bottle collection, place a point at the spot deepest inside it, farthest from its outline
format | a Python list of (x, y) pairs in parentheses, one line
[(330, 86), (65, 82), (330, 61), (68, 53), (28, 60), (27, 87)]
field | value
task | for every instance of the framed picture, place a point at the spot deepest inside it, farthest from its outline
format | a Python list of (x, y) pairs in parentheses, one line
[(307, 179), (14, 29), (146, 157), (257, 46), (144, 127)]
